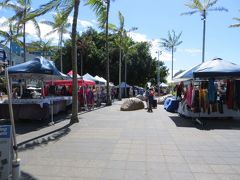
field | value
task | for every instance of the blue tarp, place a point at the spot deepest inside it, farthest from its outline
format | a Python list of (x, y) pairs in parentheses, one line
[(38, 68)]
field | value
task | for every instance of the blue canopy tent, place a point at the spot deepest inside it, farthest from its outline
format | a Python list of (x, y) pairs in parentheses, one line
[(186, 75), (214, 68), (123, 85), (38, 68), (217, 68), (89, 77)]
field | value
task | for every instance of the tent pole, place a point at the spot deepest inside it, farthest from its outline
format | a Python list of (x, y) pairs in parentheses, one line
[(16, 160), (51, 104)]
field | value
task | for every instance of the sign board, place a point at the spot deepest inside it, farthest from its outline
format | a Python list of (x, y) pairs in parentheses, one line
[(2, 55), (5, 151)]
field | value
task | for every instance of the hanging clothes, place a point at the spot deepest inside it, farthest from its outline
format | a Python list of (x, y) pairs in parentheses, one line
[(212, 93), (229, 94), (189, 95), (237, 94), (195, 104)]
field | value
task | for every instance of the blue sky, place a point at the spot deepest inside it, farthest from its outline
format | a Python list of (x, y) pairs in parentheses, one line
[(154, 18)]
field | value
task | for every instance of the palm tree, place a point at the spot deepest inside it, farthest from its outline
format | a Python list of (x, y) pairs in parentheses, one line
[(60, 26), (120, 41), (21, 9), (102, 7), (171, 43), (66, 7), (10, 37), (236, 25), (74, 117), (203, 8), (42, 46)]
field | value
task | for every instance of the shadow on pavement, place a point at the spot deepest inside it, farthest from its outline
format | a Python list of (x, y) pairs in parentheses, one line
[(207, 123), (26, 176), (44, 139), (24, 126)]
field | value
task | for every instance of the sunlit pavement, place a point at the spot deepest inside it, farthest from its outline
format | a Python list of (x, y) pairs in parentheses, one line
[(110, 144)]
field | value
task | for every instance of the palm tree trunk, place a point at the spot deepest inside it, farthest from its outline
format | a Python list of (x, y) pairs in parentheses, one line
[(204, 31), (10, 54), (107, 54), (24, 42), (74, 117), (81, 64), (120, 74), (60, 45), (172, 62), (125, 73), (24, 33)]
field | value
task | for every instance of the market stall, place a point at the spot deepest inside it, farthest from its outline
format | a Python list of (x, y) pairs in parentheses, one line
[(213, 90), (27, 106)]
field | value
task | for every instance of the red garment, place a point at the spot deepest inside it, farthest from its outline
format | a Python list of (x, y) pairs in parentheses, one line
[(189, 95), (230, 94)]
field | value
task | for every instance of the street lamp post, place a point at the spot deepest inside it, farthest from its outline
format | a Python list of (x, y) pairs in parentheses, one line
[(158, 71)]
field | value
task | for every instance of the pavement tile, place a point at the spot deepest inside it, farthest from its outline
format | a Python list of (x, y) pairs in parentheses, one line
[(222, 169), (205, 176), (116, 174), (178, 167), (229, 176), (182, 176), (157, 175), (135, 175), (110, 144), (200, 168)]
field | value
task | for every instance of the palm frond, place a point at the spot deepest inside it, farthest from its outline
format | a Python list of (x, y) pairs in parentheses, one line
[(210, 3), (11, 6), (100, 10), (218, 9), (36, 26), (51, 32), (234, 25), (121, 20), (189, 13), (196, 4), (49, 23), (53, 4)]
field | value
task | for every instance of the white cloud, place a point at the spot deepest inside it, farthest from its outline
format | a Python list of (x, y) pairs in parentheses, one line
[(5, 27), (191, 51), (138, 37), (163, 55), (83, 23)]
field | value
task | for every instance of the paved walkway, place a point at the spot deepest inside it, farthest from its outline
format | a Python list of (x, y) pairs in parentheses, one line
[(110, 144)]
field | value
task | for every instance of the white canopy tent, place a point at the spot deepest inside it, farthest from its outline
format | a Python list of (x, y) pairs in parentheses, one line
[(163, 85)]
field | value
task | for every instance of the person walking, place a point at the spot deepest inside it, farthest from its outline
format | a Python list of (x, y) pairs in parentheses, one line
[(150, 99), (147, 97), (1, 95)]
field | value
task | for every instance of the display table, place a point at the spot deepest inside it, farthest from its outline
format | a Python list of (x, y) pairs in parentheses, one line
[(185, 111), (35, 108)]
